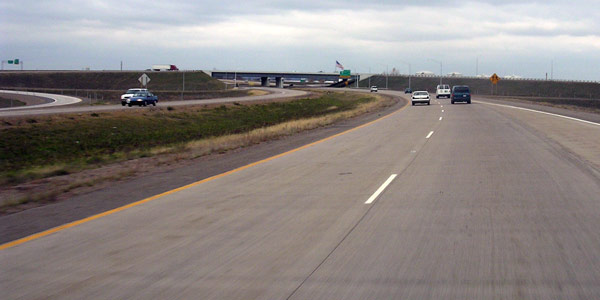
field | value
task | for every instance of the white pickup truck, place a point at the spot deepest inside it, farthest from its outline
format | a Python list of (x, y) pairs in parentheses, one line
[(442, 90)]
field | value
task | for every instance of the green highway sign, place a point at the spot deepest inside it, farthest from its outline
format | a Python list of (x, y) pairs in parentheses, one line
[(345, 74), (16, 61), (10, 62)]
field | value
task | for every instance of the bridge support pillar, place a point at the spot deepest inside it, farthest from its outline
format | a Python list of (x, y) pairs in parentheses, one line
[(279, 82), (264, 81)]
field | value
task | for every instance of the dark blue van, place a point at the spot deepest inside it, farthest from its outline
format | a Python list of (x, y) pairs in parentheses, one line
[(460, 93)]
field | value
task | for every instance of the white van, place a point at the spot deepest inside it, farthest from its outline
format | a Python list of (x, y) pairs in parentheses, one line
[(442, 90)]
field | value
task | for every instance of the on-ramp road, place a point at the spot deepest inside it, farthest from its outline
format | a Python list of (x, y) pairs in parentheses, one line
[(432, 202), (57, 106)]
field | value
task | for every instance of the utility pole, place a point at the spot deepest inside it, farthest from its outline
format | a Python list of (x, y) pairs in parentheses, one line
[(409, 72), (369, 77), (477, 66), (183, 85), (552, 70), (387, 73), (439, 62)]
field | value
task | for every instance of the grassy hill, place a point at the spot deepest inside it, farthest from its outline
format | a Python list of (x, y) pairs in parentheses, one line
[(108, 80), (100, 87)]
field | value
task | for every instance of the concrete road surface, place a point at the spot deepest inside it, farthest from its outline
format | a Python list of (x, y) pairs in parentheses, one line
[(473, 202), (55, 100)]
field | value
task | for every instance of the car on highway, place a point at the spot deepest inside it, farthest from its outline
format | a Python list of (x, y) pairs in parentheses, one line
[(129, 93), (421, 97), (142, 99), (408, 91), (442, 90), (460, 93), (374, 89)]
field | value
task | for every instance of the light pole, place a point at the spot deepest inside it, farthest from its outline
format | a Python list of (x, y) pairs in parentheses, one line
[(477, 66), (439, 62), (387, 72), (369, 77), (409, 72)]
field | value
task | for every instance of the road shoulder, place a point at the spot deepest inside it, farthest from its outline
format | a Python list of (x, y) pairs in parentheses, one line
[(588, 116), (34, 220)]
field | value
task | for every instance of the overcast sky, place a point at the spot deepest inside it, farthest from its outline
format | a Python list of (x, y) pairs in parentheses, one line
[(507, 37)]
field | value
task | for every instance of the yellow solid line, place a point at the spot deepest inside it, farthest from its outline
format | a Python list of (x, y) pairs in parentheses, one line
[(118, 209)]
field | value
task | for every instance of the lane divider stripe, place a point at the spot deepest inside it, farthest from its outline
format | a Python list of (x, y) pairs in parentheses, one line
[(381, 189), (429, 135)]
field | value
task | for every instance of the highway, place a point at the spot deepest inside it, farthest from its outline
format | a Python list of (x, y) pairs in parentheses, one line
[(444, 201), (58, 106)]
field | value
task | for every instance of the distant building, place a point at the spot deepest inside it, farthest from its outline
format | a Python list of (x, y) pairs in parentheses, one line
[(455, 74), (512, 77), (425, 73)]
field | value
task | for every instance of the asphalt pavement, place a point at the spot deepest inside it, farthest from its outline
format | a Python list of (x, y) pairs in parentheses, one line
[(432, 202)]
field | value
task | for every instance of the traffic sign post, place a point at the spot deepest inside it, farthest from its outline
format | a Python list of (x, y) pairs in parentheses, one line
[(144, 79), (494, 79)]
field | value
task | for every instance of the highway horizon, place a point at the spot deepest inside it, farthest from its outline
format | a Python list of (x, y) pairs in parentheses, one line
[(464, 201)]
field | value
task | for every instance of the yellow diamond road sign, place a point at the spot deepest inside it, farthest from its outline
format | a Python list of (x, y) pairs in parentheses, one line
[(494, 79)]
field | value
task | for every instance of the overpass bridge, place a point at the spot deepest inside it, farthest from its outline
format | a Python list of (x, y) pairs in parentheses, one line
[(280, 77)]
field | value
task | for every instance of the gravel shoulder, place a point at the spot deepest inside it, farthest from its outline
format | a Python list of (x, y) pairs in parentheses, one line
[(153, 181)]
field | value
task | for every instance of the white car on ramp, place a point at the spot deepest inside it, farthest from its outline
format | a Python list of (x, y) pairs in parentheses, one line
[(421, 97)]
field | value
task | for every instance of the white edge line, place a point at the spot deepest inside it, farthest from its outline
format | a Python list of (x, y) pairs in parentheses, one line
[(541, 112), (381, 189), (429, 135)]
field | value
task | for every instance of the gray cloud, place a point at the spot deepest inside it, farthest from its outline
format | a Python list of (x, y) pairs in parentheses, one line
[(521, 37)]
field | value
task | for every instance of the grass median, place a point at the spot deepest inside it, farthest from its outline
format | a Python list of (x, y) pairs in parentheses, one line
[(33, 148)]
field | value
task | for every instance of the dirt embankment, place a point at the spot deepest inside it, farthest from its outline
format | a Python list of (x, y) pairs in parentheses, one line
[(107, 86), (505, 87)]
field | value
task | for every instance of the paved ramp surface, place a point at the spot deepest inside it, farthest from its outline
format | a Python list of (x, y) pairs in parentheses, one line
[(57, 100), (481, 202), (49, 108)]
